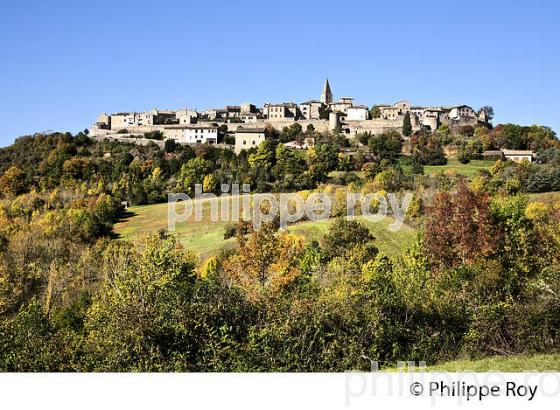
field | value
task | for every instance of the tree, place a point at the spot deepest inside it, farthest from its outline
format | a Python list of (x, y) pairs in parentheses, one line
[(363, 137), (154, 135), (170, 145), (324, 113), (463, 156), (322, 159), (407, 125), (265, 262), (489, 111), (417, 169), (263, 160), (193, 172), (134, 322), (426, 149), (290, 133), (343, 235), (386, 146), (12, 183), (375, 111), (459, 229)]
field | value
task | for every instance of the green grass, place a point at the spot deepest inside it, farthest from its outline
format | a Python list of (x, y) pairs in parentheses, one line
[(538, 362), (465, 169), (389, 243), (204, 237), (207, 238)]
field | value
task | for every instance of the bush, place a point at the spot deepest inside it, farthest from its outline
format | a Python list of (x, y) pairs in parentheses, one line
[(463, 157), (230, 230), (154, 135)]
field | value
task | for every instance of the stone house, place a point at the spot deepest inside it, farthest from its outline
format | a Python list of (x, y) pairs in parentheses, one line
[(192, 134), (341, 105), (357, 113), (246, 138), (281, 112), (310, 110)]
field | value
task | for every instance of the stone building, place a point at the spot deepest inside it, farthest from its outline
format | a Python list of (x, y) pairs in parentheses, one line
[(282, 111), (249, 117), (518, 155), (192, 134), (357, 113), (459, 112), (248, 108), (509, 154), (246, 138), (311, 110), (103, 122), (341, 105), (187, 116)]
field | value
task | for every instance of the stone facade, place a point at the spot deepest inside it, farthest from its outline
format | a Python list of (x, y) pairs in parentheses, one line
[(191, 127), (281, 112), (246, 138), (357, 113), (192, 134), (311, 110)]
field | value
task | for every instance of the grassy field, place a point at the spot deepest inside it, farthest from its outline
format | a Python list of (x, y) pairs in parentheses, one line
[(206, 237), (465, 169), (452, 164), (521, 363)]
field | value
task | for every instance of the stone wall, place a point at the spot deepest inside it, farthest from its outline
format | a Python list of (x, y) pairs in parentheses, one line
[(319, 125), (130, 139), (376, 125)]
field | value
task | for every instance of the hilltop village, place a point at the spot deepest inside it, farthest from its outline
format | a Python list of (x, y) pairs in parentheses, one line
[(247, 122)]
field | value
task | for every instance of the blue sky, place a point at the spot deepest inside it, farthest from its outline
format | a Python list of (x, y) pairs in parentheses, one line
[(63, 62)]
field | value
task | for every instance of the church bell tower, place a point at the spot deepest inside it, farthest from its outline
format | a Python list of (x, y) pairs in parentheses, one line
[(326, 96)]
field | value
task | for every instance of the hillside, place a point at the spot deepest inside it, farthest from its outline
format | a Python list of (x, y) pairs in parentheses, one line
[(207, 237)]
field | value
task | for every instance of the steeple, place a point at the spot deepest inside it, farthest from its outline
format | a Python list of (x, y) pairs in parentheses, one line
[(326, 96)]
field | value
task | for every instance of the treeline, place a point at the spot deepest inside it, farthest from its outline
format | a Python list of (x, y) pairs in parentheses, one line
[(145, 174), (483, 278)]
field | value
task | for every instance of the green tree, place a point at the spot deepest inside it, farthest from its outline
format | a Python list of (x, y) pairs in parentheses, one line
[(489, 111), (133, 323), (170, 145), (193, 172), (386, 146), (375, 111), (407, 125), (343, 235)]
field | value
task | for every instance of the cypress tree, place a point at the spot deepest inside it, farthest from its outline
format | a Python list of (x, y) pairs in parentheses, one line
[(407, 125)]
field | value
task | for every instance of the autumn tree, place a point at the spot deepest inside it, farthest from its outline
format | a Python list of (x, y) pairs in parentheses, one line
[(265, 261), (12, 183), (459, 228)]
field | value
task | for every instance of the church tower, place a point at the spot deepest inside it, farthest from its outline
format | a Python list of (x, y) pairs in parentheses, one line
[(326, 96)]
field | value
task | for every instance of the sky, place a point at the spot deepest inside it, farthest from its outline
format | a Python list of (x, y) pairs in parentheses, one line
[(64, 62)]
